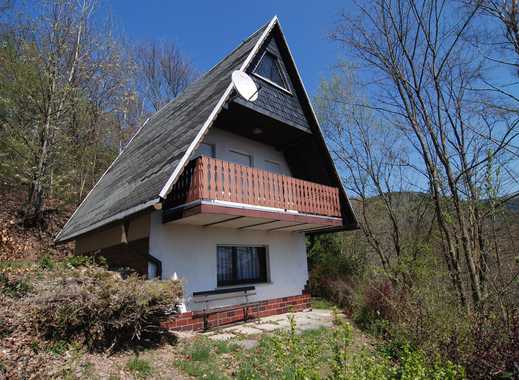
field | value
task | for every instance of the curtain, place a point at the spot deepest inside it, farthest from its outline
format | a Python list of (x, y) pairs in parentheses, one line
[(248, 265), (225, 269), (238, 265)]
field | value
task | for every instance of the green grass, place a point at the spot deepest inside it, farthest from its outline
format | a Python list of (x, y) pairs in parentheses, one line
[(200, 350), (321, 303), (325, 353), (225, 347), (140, 367), (202, 359)]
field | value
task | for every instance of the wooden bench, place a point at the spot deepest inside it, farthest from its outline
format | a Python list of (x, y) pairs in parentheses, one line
[(208, 296)]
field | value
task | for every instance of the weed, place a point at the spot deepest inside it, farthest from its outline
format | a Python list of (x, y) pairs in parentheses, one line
[(222, 347), (58, 347), (200, 350), (321, 303), (46, 263), (14, 288), (139, 367)]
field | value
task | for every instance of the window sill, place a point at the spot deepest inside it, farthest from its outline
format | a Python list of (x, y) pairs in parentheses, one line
[(242, 285), (273, 84)]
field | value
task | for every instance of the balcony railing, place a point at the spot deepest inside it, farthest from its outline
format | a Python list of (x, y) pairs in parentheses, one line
[(207, 178)]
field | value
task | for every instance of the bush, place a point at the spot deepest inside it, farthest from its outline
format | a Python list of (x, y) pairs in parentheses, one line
[(377, 307), (494, 351), (99, 308), (335, 266)]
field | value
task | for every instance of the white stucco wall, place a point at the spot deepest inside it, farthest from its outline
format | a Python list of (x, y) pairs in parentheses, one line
[(224, 142), (190, 251)]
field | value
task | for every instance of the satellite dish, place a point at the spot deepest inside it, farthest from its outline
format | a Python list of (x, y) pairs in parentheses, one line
[(245, 85)]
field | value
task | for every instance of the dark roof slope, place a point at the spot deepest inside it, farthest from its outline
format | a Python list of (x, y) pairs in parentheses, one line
[(135, 179)]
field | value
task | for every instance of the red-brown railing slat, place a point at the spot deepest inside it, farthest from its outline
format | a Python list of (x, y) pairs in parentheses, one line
[(209, 178)]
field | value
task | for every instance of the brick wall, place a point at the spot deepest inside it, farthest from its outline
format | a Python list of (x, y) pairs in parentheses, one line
[(192, 321)]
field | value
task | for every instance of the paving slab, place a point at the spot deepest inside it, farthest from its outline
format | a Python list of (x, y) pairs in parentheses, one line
[(306, 320), (247, 344), (245, 329), (221, 336), (267, 326)]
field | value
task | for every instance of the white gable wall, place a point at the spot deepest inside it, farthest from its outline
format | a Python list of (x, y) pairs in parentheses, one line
[(190, 251), (226, 142)]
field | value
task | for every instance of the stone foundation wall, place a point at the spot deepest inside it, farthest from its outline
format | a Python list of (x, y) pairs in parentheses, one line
[(193, 321)]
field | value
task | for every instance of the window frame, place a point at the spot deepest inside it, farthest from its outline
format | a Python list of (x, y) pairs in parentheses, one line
[(265, 279), (243, 153), (158, 263), (274, 162), (284, 77), (212, 146)]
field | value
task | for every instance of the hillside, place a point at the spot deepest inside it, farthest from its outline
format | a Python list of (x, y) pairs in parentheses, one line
[(18, 243)]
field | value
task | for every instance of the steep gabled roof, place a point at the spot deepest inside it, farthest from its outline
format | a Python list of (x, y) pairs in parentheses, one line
[(139, 174), (146, 169)]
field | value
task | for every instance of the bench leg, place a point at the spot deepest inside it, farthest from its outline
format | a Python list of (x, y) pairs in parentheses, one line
[(206, 322)]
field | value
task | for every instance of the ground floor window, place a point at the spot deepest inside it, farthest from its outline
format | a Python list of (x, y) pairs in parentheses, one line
[(241, 265)]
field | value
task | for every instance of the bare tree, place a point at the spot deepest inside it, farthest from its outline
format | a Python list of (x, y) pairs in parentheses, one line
[(163, 72), (421, 69), (377, 169), (58, 79)]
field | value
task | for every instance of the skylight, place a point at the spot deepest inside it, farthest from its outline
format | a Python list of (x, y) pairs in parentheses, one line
[(270, 69)]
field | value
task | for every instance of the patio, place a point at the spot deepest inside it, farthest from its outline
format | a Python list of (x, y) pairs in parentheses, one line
[(246, 334)]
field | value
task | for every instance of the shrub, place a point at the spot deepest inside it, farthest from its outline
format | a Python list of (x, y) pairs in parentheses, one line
[(495, 348), (335, 266), (99, 308), (377, 307)]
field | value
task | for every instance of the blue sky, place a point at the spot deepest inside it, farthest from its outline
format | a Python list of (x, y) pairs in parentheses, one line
[(207, 30)]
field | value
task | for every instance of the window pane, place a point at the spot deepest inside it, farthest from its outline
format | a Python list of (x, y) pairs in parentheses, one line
[(153, 270), (273, 167), (225, 269), (248, 266), (269, 68), (204, 150), (240, 158), (241, 265)]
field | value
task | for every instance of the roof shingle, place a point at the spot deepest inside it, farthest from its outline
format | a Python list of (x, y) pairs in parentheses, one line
[(139, 173)]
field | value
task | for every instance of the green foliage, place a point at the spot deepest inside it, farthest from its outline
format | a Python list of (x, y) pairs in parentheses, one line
[(326, 353), (58, 347), (46, 263), (321, 303), (78, 261), (200, 350), (335, 261), (414, 366), (140, 367), (202, 358), (224, 347)]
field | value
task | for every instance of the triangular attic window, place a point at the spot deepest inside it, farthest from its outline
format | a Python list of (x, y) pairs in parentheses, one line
[(269, 69)]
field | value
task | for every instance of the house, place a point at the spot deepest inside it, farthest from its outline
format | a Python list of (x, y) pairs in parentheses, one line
[(220, 190)]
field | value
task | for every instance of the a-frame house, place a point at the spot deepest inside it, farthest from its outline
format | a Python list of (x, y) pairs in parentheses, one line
[(220, 191)]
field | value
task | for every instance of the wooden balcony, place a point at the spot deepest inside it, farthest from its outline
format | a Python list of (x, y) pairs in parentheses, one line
[(231, 191)]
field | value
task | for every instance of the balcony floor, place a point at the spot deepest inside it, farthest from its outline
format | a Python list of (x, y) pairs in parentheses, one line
[(246, 217)]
